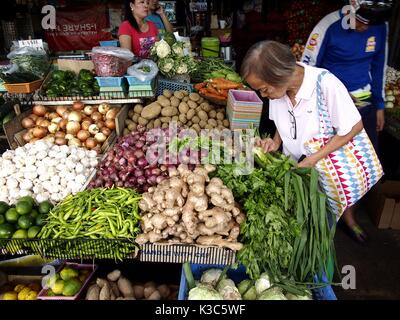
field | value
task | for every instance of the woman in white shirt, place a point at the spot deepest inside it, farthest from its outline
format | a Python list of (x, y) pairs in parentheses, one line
[(271, 68)]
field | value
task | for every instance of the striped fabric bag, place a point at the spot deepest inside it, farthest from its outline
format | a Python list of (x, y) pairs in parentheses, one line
[(348, 173)]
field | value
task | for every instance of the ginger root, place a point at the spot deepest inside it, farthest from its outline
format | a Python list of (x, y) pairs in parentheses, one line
[(218, 241)]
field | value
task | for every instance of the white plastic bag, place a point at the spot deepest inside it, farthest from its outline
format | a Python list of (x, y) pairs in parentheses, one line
[(114, 51), (26, 51), (138, 72)]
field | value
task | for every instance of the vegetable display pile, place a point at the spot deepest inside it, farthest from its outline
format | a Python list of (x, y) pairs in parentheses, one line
[(214, 284), (213, 68), (102, 214), (81, 126), (25, 220), (44, 171), (36, 65), (188, 110), (67, 84), (191, 208), (18, 77), (392, 98), (171, 58), (118, 287), (286, 233), (217, 88), (21, 291), (392, 76)]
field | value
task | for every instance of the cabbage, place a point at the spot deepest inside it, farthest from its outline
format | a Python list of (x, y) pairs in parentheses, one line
[(204, 292), (251, 293), (211, 277), (272, 294), (263, 283), (306, 296), (228, 290), (225, 283)]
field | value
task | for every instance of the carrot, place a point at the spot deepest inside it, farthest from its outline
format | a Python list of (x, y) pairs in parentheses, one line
[(211, 89), (203, 91), (224, 93), (215, 96), (199, 86), (221, 83)]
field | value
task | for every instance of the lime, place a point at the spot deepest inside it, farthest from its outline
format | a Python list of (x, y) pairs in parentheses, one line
[(12, 215), (34, 213), (45, 207), (3, 207), (25, 222), (20, 234), (27, 198), (6, 230), (40, 220), (33, 232), (2, 219), (23, 207)]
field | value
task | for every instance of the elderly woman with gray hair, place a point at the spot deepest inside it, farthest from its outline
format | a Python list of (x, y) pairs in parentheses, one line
[(270, 68)]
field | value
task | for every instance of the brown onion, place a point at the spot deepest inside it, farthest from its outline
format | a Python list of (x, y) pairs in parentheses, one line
[(100, 137), (75, 116), (97, 149), (78, 106), (97, 116), (83, 135), (86, 124), (101, 124), (39, 132), (53, 128), (91, 143), (89, 110), (75, 142), (27, 123), (104, 108), (106, 131), (56, 120), (93, 129), (63, 124), (60, 110), (39, 110), (112, 114), (60, 141), (59, 134), (50, 138), (28, 136), (44, 123), (38, 120), (73, 127), (34, 117), (110, 124), (69, 136), (65, 115), (52, 115), (34, 140)]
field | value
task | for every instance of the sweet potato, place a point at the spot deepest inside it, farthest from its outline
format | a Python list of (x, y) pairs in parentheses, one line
[(139, 291), (125, 287), (93, 292), (155, 296), (114, 276)]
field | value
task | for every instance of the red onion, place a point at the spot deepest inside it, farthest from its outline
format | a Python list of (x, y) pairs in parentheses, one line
[(142, 162), (138, 173), (160, 179), (141, 180)]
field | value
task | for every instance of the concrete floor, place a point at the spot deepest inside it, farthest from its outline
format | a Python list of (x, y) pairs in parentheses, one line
[(377, 264)]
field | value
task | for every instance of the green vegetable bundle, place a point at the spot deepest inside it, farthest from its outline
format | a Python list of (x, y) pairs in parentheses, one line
[(33, 64), (211, 68), (287, 232), (98, 214)]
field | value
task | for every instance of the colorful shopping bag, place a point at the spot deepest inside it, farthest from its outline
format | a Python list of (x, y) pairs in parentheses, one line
[(348, 173)]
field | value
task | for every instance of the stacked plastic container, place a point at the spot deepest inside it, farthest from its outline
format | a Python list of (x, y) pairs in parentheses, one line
[(244, 109), (139, 88)]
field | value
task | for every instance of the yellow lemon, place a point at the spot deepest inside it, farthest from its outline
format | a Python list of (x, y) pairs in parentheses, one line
[(18, 288), (10, 296)]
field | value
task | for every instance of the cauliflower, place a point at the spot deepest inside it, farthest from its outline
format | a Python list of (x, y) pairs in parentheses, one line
[(166, 65), (177, 49), (182, 68), (162, 49)]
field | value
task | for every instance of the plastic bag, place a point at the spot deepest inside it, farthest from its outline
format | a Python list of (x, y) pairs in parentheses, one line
[(114, 51), (139, 70), (30, 60), (26, 51)]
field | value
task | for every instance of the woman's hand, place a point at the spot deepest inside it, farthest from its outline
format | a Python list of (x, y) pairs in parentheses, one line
[(308, 162), (160, 11), (268, 145), (380, 120)]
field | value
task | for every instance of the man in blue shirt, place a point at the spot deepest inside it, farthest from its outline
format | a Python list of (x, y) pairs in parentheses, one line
[(159, 18), (356, 53)]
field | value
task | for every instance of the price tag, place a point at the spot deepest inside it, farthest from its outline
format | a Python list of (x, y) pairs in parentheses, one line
[(34, 43)]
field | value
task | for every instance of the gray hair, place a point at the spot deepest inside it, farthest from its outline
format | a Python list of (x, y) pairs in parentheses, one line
[(269, 61)]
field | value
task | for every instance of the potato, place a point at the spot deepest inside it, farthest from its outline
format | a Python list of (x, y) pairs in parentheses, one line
[(205, 106), (209, 127), (220, 116), (132, 127), (128, 122), (157, 123), (190, 114), (150, 125), (202, 124), (201, 100), (125, 287), (105, 292), (142, 121), (226, 123), (135, 118), (195, 119), (185, 99), (165, 125), (164, 291), (167, 93), (175, 102), (189, 123), (202, 115), (185, 93), (165, 119), (183, 107), (114, 289), (126, 131), (194, 97), (198, 109), (163, 101), (212, 114), (139, 291), (169, 111), (93, 292), (131, 113), (155, 296), (212, 122), (221, 128), (192, 104), (219, 122), (175, 118), (151, 111), (179, 95), (196, 127), (138, 108), (114, 276), (182, 118)]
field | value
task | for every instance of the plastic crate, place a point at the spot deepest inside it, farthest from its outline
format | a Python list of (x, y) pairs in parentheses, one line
[(109, 43), (237, 275), (133, 81), (164, 84), (110, 81), (27, 87)]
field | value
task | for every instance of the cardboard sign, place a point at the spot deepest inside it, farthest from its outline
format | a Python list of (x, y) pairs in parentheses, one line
[(34, 43)]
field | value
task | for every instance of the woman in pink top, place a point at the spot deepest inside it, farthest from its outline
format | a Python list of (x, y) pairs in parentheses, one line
[(135, 33)]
